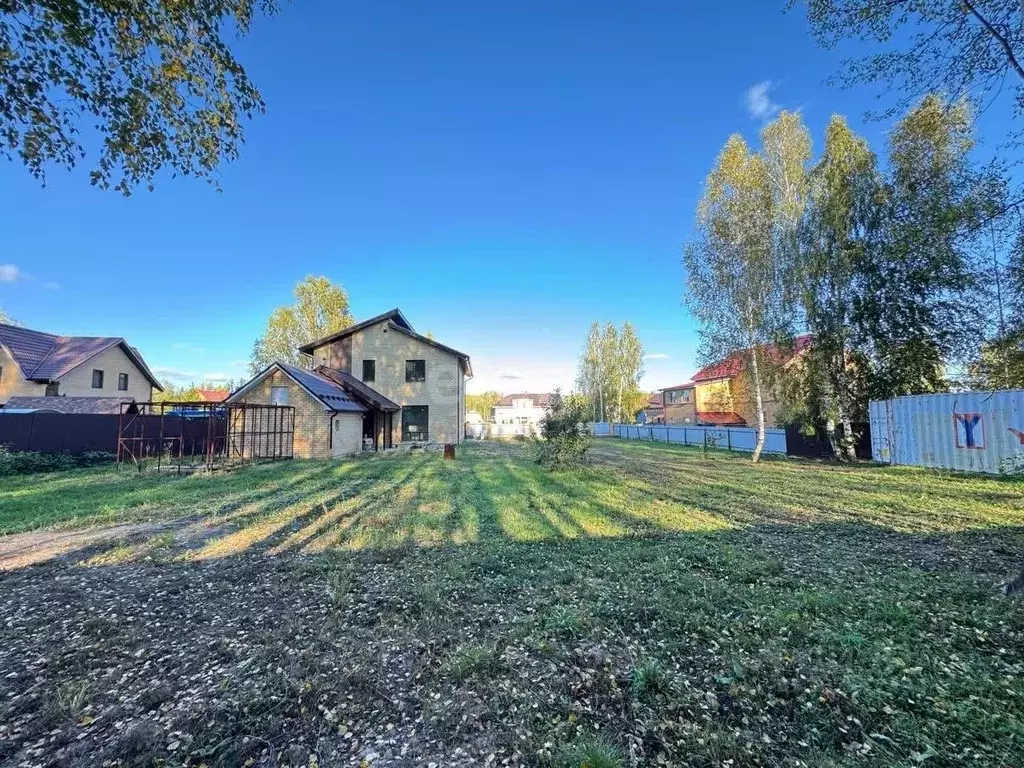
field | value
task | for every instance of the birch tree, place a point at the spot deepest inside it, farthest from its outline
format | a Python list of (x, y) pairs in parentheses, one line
[(740, 265), (611, 367), (842, 217), (921, 308), (320, 308), (627, 370), (590, 379)]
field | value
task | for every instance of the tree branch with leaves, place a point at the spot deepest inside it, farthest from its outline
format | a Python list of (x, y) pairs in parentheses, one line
[(156, 80)]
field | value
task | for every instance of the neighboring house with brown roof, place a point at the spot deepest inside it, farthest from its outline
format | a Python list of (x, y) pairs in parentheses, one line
[(721, 393), (372, 386), (38, 364), (522, 411)]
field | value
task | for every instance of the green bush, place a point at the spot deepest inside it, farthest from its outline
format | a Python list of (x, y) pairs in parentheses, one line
[(29, 462), (564, 430)]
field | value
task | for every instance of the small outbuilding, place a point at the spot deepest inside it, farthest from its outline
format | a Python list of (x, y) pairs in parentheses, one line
[(331, 414)]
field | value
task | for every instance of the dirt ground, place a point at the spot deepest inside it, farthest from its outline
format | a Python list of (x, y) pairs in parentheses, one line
[(663, 638)]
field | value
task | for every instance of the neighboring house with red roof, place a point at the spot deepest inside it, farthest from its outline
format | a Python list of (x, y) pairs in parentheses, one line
[(213, 395), (721, 393), (38, 364)]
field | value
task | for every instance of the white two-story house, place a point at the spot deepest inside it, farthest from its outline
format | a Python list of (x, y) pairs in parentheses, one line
[(519, 414)]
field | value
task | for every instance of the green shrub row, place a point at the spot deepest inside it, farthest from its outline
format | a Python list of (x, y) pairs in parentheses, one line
[(28, 462)]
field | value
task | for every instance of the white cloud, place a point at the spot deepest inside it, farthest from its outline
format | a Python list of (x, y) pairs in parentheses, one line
[(759, 101), (218, 377), (186, 347), (510, 376), (174, 375), (179, 377), (12, 273), (656, 356)]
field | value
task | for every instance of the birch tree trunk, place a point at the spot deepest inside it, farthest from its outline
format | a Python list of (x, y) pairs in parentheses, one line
[(849, 449), (758, 404), (618, 403), (830, 432)]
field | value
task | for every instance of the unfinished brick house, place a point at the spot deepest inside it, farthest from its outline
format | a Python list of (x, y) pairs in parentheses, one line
[(372, 386)]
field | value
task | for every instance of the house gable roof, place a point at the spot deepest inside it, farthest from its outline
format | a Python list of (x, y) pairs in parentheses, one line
[(46, 357), (328, 393), (463, 357), (397, 322), (541, 400), (213, 395), (687, 385), (394, 315), (733, 365)]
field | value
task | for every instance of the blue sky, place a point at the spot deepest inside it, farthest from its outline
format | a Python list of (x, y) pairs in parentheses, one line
[(506, 173)]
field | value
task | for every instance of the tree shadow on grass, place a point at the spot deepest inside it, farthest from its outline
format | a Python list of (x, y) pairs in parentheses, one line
[(491, 497)]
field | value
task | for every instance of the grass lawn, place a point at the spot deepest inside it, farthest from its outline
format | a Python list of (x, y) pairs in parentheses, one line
[(659, 607)]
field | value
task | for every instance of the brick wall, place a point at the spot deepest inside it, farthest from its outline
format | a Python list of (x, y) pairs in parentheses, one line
[(312, 438), (680, 413), (443, 392)]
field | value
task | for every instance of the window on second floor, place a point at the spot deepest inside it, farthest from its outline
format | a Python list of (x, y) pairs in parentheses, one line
[(279, 395), (415, 370), (369, 370), (97, 379), (122, 382), (676, 396)]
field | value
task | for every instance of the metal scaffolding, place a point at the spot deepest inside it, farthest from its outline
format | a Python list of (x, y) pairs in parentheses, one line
[(191, 436)]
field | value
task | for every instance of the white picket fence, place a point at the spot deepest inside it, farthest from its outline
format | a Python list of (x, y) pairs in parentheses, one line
[(731, 438)]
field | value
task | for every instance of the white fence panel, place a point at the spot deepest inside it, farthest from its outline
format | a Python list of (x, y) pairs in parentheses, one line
[(498, 431), (731, 438), (973, 431)]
